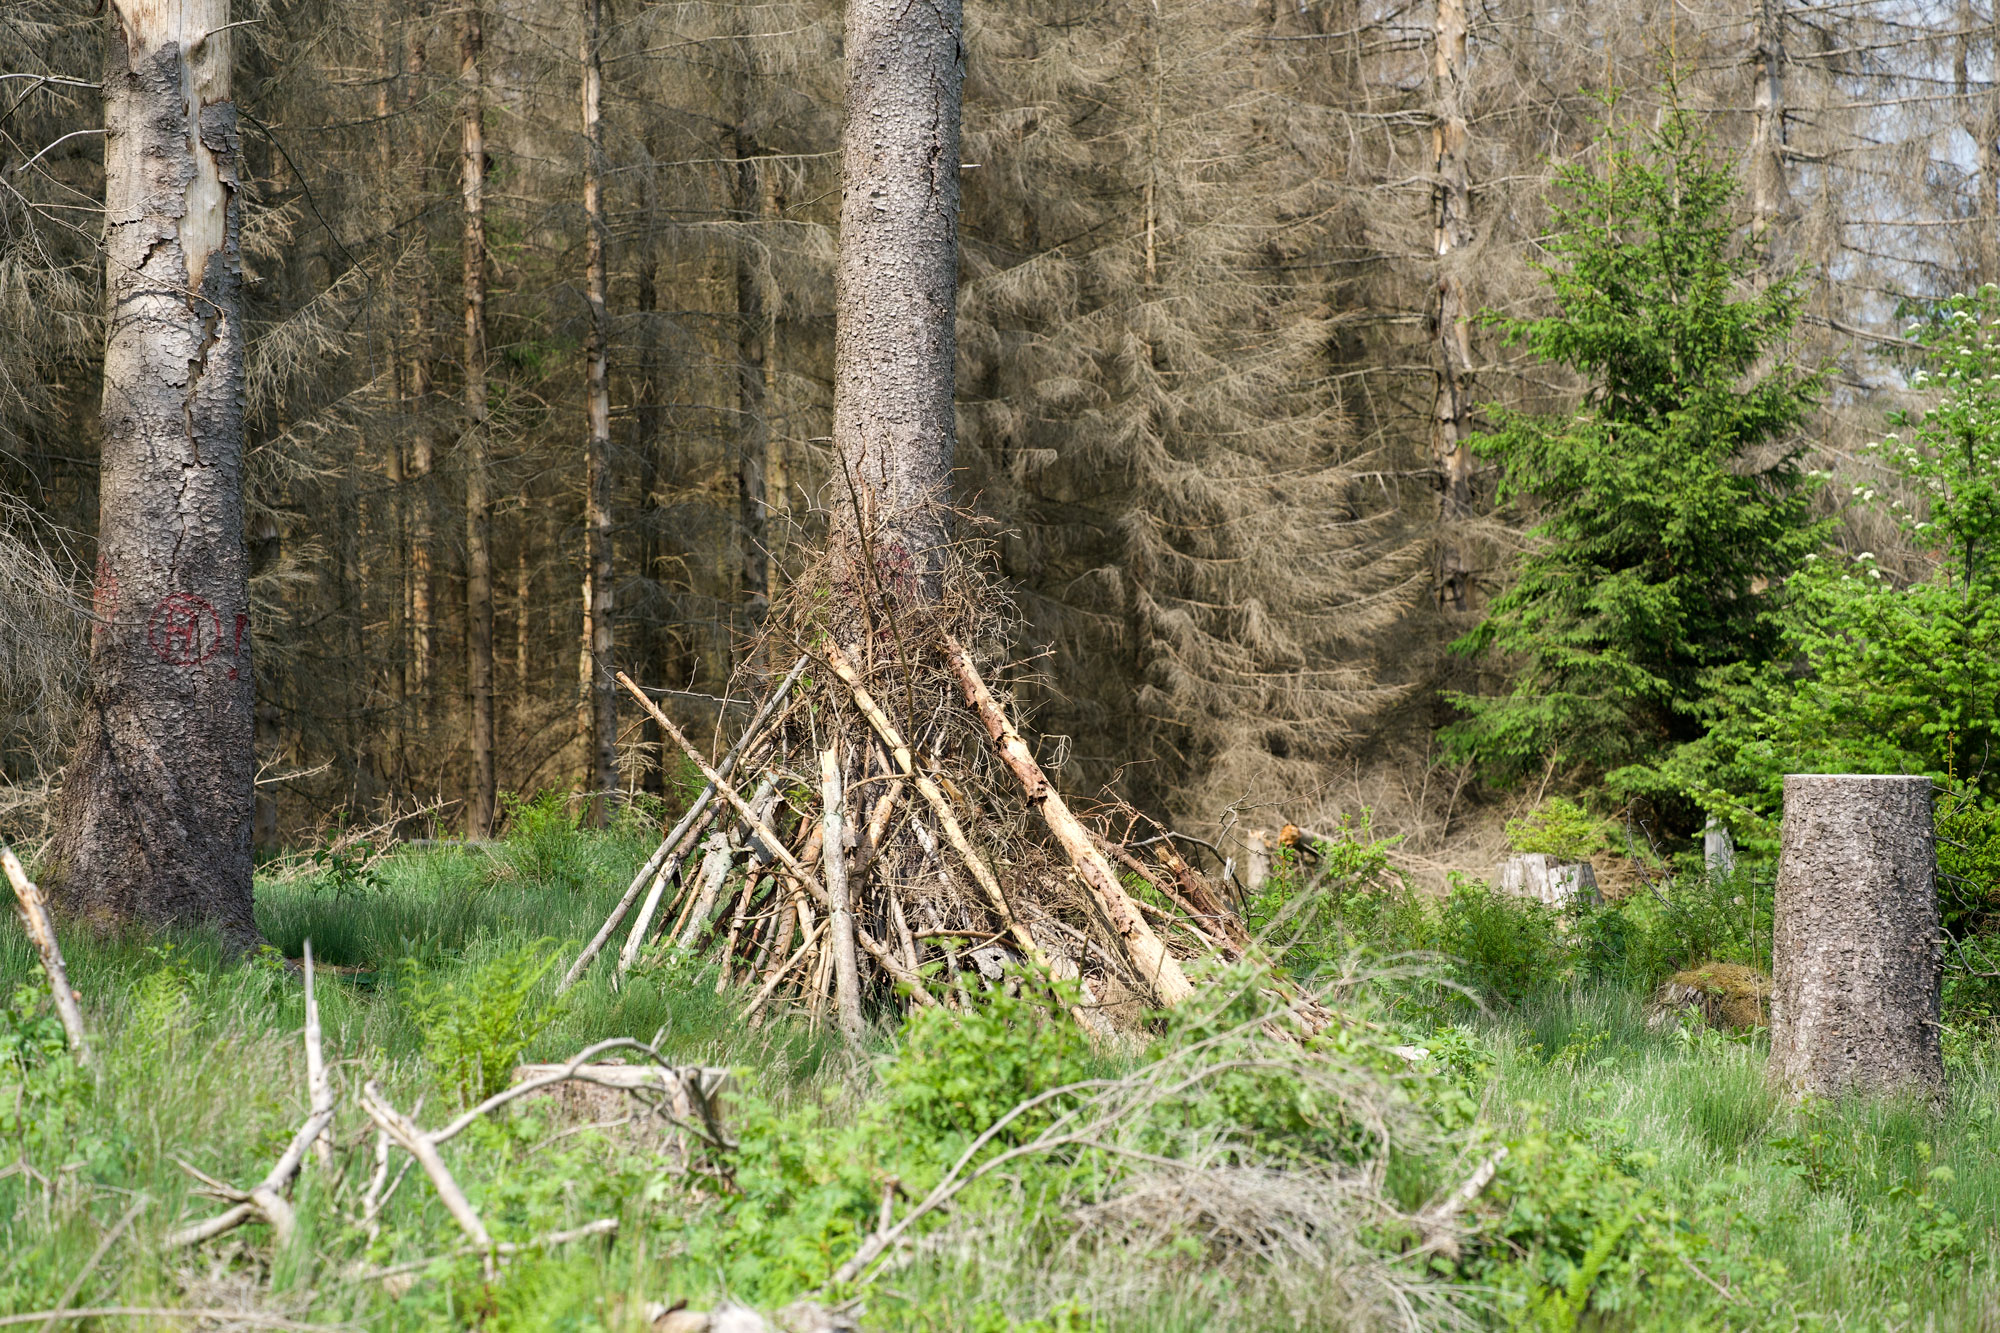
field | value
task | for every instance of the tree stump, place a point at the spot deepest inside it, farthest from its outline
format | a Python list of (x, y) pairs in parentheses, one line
[(1857, 962), (1555, 883)]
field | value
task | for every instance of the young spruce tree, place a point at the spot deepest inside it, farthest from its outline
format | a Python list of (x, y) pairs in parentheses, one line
[(1670, 503)]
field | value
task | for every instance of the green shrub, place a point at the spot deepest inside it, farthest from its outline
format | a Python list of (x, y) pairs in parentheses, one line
[(476, 1025), (546, 844), (956, 1073), (1501, 946), (1560, 828)]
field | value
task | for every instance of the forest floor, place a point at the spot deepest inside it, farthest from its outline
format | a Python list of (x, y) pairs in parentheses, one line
[(1650, 1179)]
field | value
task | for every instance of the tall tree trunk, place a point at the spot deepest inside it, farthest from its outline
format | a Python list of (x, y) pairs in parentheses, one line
[(1767, 126), (602, 689), (154, 822), (419, 502), (395, 750), (478, 523), (753, 429), (896, 288), (1451, 426), (1982, 124)]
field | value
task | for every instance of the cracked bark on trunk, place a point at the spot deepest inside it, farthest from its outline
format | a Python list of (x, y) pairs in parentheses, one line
[(1856, 960), (897, 288), (153, 826)]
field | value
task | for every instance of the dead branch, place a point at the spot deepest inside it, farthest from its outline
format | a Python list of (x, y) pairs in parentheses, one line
[(404, 1133), (1149, 955), (35, 916), (603, 1226), (653, 869), (947, 820), (840, 913), (267, 1199), (804, 878), (779, 973)]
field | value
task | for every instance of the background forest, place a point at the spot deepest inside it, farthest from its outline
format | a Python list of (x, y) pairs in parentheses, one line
[(1221, 360), (1436, 432)]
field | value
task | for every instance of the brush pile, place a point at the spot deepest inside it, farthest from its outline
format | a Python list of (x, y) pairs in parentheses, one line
[(881, 835)]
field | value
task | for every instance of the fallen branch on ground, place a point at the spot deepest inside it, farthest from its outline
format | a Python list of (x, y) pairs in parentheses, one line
[(267, 1199), (603, 1226)]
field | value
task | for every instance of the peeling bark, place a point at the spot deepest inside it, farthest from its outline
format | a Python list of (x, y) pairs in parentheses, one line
[(1451, 425), (600, 689), (154, 822)]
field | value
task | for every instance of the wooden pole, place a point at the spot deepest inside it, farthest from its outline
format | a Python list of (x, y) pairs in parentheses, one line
[(840, 913)]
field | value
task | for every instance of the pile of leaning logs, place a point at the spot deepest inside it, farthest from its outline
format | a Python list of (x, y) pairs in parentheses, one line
[(867, 843)]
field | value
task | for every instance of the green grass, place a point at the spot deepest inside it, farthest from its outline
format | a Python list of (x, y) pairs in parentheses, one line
[(1861, 1244), (1653, 1177)]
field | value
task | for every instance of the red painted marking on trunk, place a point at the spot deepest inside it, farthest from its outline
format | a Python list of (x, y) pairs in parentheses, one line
[(236, 653), (184, 629)]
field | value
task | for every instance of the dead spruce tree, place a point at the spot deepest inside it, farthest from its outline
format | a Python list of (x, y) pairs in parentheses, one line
[(154, 818), (600, 691)]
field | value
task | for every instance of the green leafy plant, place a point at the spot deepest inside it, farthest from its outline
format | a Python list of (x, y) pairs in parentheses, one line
[(476, 1024), (1560, 828), (1880, 670), (1501, 946), (545, 841)]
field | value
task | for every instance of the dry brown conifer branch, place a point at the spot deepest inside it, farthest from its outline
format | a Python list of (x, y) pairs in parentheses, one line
[(1159, 967), (267, 1199), (35, 916)]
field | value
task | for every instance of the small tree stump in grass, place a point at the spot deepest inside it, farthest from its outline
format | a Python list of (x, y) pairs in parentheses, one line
[(1540, 876), (1857, 962)]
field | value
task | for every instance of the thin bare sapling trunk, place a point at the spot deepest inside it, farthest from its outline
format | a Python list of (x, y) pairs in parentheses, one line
[(478, 520), (599, 687), (896, 290), (153, 826), (1451, 424)]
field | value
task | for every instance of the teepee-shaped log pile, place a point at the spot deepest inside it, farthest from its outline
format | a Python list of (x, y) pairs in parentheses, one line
[(881, 835)]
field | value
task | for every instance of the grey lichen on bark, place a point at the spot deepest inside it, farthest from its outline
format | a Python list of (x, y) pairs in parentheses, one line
[(1857, 962), (897, 290), (153, 826)]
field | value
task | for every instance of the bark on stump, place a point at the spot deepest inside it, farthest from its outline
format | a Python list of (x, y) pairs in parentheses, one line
[(1856, 964)]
